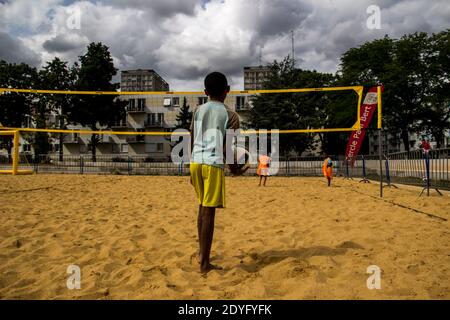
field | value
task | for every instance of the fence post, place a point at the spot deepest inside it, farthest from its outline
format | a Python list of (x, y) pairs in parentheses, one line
[(364, 179), (81, 165), (347, 172), (388, 174), (129, 165), (380, 147), (426, 156), (287, 167), (36, 163), (427, 172)]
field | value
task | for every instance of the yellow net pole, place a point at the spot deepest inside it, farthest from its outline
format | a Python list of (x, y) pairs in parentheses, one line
[(379, 107), (15, 164)]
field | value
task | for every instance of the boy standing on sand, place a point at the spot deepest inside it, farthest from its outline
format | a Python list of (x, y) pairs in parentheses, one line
[(208, 133)]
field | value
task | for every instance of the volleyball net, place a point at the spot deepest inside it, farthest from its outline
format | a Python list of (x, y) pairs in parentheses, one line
[(148, 122)]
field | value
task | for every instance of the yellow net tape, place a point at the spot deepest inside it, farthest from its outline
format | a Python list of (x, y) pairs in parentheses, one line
[(357, 126)]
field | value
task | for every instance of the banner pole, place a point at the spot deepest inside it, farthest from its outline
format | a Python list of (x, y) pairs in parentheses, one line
[(380, 146)]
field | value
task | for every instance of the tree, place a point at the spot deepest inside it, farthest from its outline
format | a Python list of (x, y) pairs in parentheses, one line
[(291, 110), (15, 108), (95, 74), (414, 87), (184, 117), (435, 120), (56, 75)]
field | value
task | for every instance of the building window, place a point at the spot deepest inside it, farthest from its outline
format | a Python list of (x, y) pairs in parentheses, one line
[(202, 100), (154, 147), (240, 102), (131, 104), (155, 119), (141, 104), (115, 148), (167, 102), (124, 148), (176, 102), (83, 148), (27, 148)]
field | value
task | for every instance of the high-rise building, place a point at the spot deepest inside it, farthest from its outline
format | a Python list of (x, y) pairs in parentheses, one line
[(142, 80), (254, 77)]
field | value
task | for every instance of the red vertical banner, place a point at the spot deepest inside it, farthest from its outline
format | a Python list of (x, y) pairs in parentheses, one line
[(366, 113)]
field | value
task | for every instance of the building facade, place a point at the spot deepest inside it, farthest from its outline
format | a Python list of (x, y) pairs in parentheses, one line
[(254, 77), (142, 80), (147, 113)]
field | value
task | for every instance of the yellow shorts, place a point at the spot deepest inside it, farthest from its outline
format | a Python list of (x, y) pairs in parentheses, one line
[(209, 184)]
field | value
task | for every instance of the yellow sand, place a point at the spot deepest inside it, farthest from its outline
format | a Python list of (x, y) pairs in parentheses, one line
[(133, 238)]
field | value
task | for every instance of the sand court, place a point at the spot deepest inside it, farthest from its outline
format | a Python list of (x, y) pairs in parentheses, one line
[(134, 237)]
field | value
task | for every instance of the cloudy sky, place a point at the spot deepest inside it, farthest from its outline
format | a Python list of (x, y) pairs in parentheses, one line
[(185, 39)]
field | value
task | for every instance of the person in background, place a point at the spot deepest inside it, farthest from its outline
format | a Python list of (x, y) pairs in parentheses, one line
[(263, 168), (327, 168), (425, 146)]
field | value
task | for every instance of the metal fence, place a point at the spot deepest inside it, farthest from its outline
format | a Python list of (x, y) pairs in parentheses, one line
[(414, 167)]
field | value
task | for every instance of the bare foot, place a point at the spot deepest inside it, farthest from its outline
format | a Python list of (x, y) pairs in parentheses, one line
[(209, 268)]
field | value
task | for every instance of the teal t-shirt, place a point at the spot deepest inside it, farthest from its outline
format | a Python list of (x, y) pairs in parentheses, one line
[(209, 125)]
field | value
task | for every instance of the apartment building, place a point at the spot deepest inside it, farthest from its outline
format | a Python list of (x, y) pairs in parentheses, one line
[(254, 77), (142, 80), (146, 113)]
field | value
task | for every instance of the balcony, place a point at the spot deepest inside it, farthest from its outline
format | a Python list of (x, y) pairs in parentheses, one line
[(136, 139), (105, 139), (139, 109), (154, 124), (119, 124), (71, 140)]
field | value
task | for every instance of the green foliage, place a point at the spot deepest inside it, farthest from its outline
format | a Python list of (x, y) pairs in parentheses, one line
[(184, 117), (95, 74), (288, 111), (15, 108), (55, 75), (414, 70)]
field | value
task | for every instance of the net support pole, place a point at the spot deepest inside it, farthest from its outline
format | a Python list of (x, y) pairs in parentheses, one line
[(380, 146), (15, 164)]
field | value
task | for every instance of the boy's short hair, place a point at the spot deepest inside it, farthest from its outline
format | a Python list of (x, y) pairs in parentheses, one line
[(216, 83)]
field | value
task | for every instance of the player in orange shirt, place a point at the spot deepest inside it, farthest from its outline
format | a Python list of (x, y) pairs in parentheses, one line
[(327, 169), (263, 168)]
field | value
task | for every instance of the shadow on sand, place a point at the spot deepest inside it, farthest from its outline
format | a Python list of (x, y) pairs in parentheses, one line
[(261, 260)]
